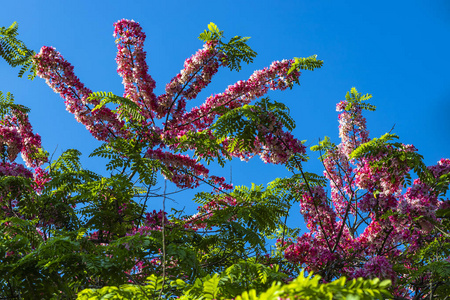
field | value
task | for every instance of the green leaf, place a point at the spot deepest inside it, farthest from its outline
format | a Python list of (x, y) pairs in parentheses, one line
[(15, 52), (309, 63)]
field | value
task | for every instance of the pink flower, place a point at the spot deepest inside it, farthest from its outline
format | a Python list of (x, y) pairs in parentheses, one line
[(58, 73)]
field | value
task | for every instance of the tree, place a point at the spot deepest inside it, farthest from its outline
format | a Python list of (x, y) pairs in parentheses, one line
[(378, 223), (69, 232)]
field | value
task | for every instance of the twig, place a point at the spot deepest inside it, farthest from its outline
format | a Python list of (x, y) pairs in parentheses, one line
[(163, 240)]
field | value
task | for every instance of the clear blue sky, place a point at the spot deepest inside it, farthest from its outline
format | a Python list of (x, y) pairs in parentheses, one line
[(396, 50)]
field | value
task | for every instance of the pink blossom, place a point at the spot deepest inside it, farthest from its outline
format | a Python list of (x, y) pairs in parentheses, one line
[(58, 73)]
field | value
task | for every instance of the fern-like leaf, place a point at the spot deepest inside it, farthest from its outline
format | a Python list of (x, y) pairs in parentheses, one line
[(127, 109), (14, 51), (309, 63), (7, 105), (235, 51)]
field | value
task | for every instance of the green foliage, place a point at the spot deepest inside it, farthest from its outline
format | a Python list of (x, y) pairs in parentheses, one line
[(21, 234), (64, 263), (233, 281), (301, 63), (68, 177), (127, 110), (241, 125), (257, 214), (310, 288), (387, 151), (324, 146), (14, 51), (68, 161), (429, 272), (7, 105), (84, 234), (228, 284), (375, 146), (15, 186), (247, 280), (205, 147), (125, 291), (441, 186), (443, 213), (127, 153), (212, 34), (306, 63), (279, 110), (357, 99), (235, 51)]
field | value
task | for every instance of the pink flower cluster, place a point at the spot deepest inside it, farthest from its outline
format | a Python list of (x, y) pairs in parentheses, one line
[(352, 127), (14, 169), (350, 230), (31, 142), (242, 92), (275, 145), (314, 249), (421, 200), (386, 179), (8, 200), (317, 212), (102, 123), (153, 222), (132, 67), (311, 253), (180, 169), (339, 173), (271, 143), (16, 134), (10, 138), (195, 76), (41, 177), (376, 267)]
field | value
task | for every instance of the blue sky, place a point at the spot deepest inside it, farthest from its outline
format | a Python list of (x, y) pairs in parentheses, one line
[(396, 50)]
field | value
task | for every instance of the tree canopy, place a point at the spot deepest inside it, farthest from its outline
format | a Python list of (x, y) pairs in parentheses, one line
[(377, 218)]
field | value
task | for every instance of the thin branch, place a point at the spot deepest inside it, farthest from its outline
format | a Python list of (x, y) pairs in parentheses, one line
[(299, 166), (182, 89), (163, 231)]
